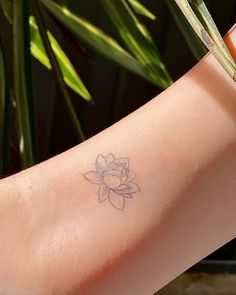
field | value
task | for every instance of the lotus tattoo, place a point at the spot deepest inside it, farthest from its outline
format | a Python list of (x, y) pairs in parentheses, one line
[(115, 180)]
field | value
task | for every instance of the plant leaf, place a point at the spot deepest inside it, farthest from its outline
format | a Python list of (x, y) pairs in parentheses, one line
[(210, 35), (7, 9), (22, 82), (70, 75), (141, 9), (137, 40), (194, 43), (96, 39)]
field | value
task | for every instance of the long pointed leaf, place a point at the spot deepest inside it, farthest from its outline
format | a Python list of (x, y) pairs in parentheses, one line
[(137, 39), (194, 43), (70, 75), (206, 19), (141, 9), (36, 7), (96, 39), (219, 49), (7, 9), (21, 75)]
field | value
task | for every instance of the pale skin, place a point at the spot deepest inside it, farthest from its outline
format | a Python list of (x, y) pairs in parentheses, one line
[(57, 238)]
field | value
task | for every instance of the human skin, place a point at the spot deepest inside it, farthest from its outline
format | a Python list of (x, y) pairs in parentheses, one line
[(57, 238)]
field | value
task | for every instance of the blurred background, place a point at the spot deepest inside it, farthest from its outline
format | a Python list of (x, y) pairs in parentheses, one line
[(69, 69)]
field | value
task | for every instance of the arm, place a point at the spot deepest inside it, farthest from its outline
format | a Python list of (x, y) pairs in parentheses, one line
[(181, 148)]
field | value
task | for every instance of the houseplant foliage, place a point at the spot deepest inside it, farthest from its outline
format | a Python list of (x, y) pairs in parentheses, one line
[(32, 37), (135, 50)]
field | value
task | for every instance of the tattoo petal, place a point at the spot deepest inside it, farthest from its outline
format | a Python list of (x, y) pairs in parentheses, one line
[(123, 162), (101, 164), (122, 189), (116, 200), (131, 176), (133, 188), (115, 172), (112, 180), (93, 177), (103, 192), (128, 195), (110, 158), (124, 177)]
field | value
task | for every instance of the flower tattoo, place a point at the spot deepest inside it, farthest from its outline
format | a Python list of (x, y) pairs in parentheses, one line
[(115, 180)]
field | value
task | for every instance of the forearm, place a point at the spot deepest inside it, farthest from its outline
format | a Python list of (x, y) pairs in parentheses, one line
[(181, 147)]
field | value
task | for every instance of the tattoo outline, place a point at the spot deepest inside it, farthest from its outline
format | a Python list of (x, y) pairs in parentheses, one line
[(115, 180)]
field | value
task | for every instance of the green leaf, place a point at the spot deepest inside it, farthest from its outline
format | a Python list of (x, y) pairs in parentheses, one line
[(141, 9), (137, 40), (70, 75), (36, 45), (22, 81), (7, 9), (211, 34), (96, 39), (194, 43)]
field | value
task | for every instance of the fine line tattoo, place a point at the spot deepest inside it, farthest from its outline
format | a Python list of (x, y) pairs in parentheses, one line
[(115, 180)]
